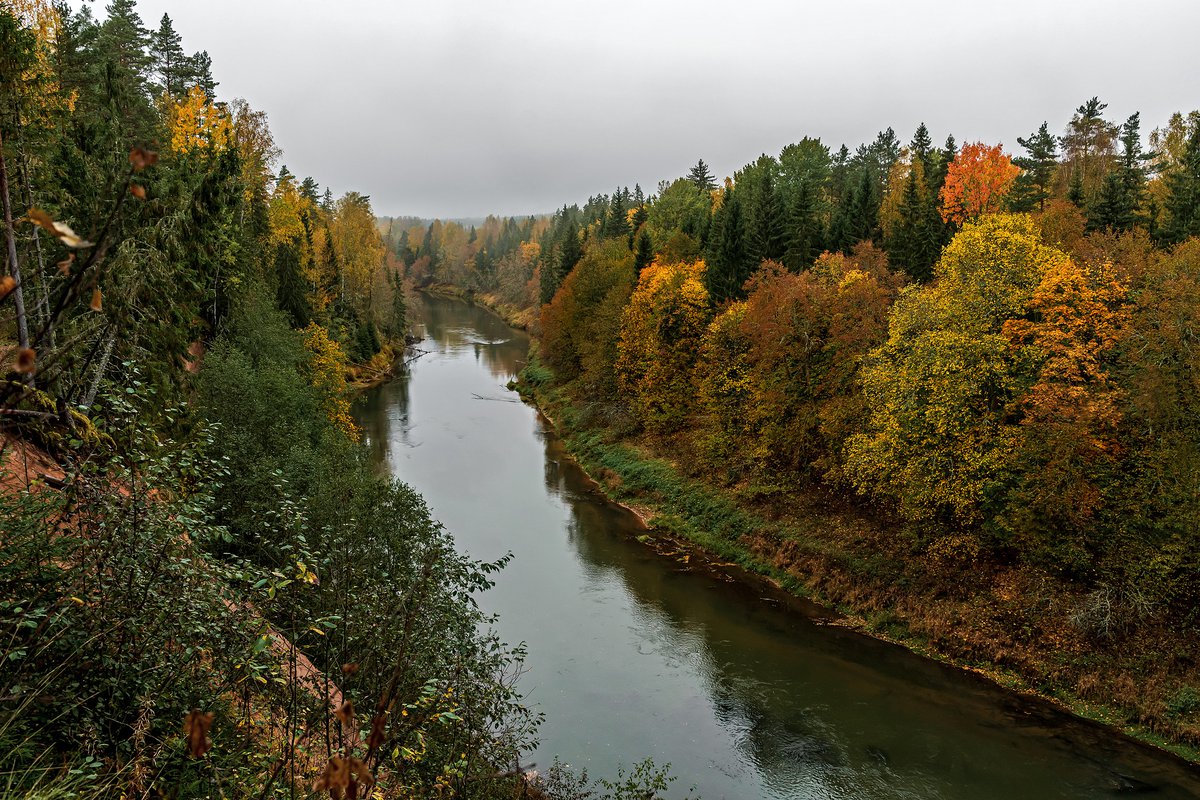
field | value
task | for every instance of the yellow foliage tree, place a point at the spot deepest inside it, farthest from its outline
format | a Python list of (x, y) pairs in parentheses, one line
[(327, 372), (945, 389), (196, 124), (660, 339), (359, 248)]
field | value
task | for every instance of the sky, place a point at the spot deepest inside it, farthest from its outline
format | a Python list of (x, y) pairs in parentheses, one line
[(451, 108)]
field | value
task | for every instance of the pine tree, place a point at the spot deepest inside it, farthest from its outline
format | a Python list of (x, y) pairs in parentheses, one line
[(701, 177), (171, 65), (1182, 203), (1032, 188), (123, 39), (201, 73), (310, 190)]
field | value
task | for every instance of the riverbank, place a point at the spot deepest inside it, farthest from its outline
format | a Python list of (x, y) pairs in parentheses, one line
[(520, 318), (1013, 625)]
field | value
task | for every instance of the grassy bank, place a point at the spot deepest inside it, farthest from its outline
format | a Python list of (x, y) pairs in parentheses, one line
[(1016, 626)]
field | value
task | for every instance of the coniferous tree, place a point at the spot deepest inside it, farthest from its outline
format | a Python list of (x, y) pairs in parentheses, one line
[(1075, 190), (1121, 196), (1032, 188), (701, 177), (643, 253), (804, 229), (570, 250), (291, 293), (171, 65), (729, 265), (916, 242), (767, 229), (616, 222), (921, 148), (1182, 204), (201, 73), (640, 215), (862, 218)]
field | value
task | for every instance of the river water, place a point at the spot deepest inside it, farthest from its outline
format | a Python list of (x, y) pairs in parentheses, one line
[(632, 655)]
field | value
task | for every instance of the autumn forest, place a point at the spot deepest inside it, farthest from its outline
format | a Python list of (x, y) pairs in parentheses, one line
[(949, 391)]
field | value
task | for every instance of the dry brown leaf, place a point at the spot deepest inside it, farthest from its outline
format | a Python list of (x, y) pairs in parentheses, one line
[(26, 360), (350, 669), (7, 284), (95, 305), (140, 158), (64, 266), (345, 712), (59, 230), (195, 731), (376, 738), (137, 190)]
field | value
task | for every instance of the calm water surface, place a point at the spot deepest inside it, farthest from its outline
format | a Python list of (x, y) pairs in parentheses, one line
[(630, 655)]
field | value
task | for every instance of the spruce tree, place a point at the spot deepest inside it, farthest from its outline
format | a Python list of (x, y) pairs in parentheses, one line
[(768, 231), (804, 229), (640, 215), (915, 243), (921, 148), (570, 250), (863, 213), (1182, 204), (729, 265), (643, 253), (1075, 189), (701, 178), (616, 223), (290, 294)]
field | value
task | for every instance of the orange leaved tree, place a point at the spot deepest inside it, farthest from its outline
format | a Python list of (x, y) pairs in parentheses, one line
[(976, 182)]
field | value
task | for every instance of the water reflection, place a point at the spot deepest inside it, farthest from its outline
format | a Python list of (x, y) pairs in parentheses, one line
[(632, 654)]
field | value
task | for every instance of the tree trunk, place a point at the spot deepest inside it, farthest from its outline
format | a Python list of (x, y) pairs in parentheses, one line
[(14, 266), (43, 302)]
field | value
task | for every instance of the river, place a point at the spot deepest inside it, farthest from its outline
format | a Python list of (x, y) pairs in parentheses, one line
[(632, 654)]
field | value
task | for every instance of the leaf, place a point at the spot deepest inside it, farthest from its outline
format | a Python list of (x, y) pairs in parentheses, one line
[(137, 190), (59, 230), (7, 284), (26, 360), (195, 732), (95, 305), (140, 158)]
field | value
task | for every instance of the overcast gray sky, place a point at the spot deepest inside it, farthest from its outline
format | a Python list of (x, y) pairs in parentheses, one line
[(457, 108)]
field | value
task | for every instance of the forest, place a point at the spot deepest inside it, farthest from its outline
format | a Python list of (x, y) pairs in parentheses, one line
[(987, 358), (951, 391), (205, 591)]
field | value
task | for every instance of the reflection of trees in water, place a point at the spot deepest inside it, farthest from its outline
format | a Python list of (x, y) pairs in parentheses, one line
[(455, 325), (786, 741), (382, 413)]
